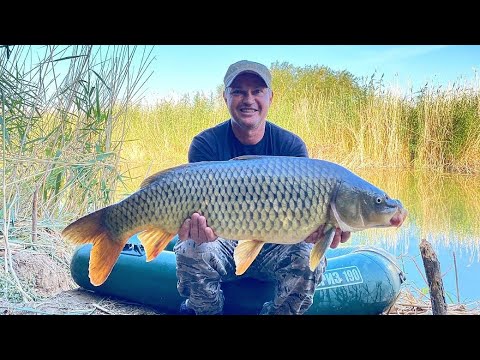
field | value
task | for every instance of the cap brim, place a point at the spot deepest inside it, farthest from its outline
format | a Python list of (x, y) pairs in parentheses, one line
[(245, 72)]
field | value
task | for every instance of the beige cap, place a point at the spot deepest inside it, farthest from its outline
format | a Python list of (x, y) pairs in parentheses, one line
[(245, 66)]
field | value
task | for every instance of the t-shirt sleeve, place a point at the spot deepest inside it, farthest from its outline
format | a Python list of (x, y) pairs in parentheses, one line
[(293, 145), (201, 149), (299, 148)]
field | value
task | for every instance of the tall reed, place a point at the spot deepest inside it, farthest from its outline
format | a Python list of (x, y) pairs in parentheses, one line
[(60, 105), (448, 128), (356, 122), (158, 136)]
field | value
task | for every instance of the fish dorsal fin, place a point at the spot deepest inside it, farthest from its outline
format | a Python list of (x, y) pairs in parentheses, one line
[(154, 240), (249, 157), (320, 248), (154, 177), (244, 254)]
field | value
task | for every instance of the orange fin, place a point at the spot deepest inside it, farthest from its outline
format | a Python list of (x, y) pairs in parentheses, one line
[(244, 254), (105, 250), (320, 248), (103, 257), (86, 229), (154, 240)]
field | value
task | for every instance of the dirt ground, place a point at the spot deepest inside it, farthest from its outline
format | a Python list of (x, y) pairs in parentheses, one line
[(77, 302), (46, 279)]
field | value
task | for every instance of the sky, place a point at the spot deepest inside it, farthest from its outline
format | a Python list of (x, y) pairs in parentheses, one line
[(181, 69), (186, 69)]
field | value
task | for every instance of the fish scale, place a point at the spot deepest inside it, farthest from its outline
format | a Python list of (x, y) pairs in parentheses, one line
[(270, 192)]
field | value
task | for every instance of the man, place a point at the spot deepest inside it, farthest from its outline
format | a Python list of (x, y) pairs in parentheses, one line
[(205, 260)]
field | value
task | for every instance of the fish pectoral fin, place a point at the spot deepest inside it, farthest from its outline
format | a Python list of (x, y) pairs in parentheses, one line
[(320, 248), (154, 240), (244, 254)]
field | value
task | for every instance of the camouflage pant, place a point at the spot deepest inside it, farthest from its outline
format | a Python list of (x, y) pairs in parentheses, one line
[(202, 268)]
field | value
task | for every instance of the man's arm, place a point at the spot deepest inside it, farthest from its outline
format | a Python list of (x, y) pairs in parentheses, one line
[(286, 143), (299, 149), (201, 149)]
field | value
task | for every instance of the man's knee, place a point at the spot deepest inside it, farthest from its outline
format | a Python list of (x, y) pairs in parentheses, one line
[(296, 262), (296, 282), (199, 272)]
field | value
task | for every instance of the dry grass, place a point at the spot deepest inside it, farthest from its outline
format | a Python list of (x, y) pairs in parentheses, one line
[(42, 269), (83, 302), (408, 304)]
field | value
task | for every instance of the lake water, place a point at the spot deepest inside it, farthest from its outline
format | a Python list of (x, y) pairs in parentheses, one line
[(443, 209)]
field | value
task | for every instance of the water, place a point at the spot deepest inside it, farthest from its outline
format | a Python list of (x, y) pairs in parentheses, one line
[(465, 267), (444, 210)]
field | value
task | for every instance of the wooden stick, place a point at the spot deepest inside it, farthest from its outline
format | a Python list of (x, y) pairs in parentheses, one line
[(456, 277), (103, 309), (435, 283), (34, 216), (417, 305)]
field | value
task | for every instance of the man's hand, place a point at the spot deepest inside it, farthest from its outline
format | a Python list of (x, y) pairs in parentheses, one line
[(317, 235), (196, 229)]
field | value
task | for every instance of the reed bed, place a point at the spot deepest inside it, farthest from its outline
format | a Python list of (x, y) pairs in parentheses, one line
[(75, 138), (59, 109)]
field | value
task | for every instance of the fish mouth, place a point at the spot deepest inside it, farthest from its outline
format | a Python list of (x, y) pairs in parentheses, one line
[(399, 217)]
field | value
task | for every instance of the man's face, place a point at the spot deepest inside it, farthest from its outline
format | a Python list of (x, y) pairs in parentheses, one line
[(248, 100)]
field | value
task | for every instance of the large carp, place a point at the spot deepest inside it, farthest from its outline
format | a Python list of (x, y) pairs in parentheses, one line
[(257, 199)]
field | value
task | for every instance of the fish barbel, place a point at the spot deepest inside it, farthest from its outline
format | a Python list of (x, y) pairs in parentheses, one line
[(253, 199)]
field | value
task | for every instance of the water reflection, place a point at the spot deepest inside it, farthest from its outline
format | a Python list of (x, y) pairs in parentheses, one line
[(443, 208)]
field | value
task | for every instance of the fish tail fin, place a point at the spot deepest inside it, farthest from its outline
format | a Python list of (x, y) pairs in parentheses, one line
[(320, 248), (104, 255), (106, 249), (86, 229)]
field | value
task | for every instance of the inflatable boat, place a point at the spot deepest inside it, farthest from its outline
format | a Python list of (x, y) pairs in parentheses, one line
[(359, 280)]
